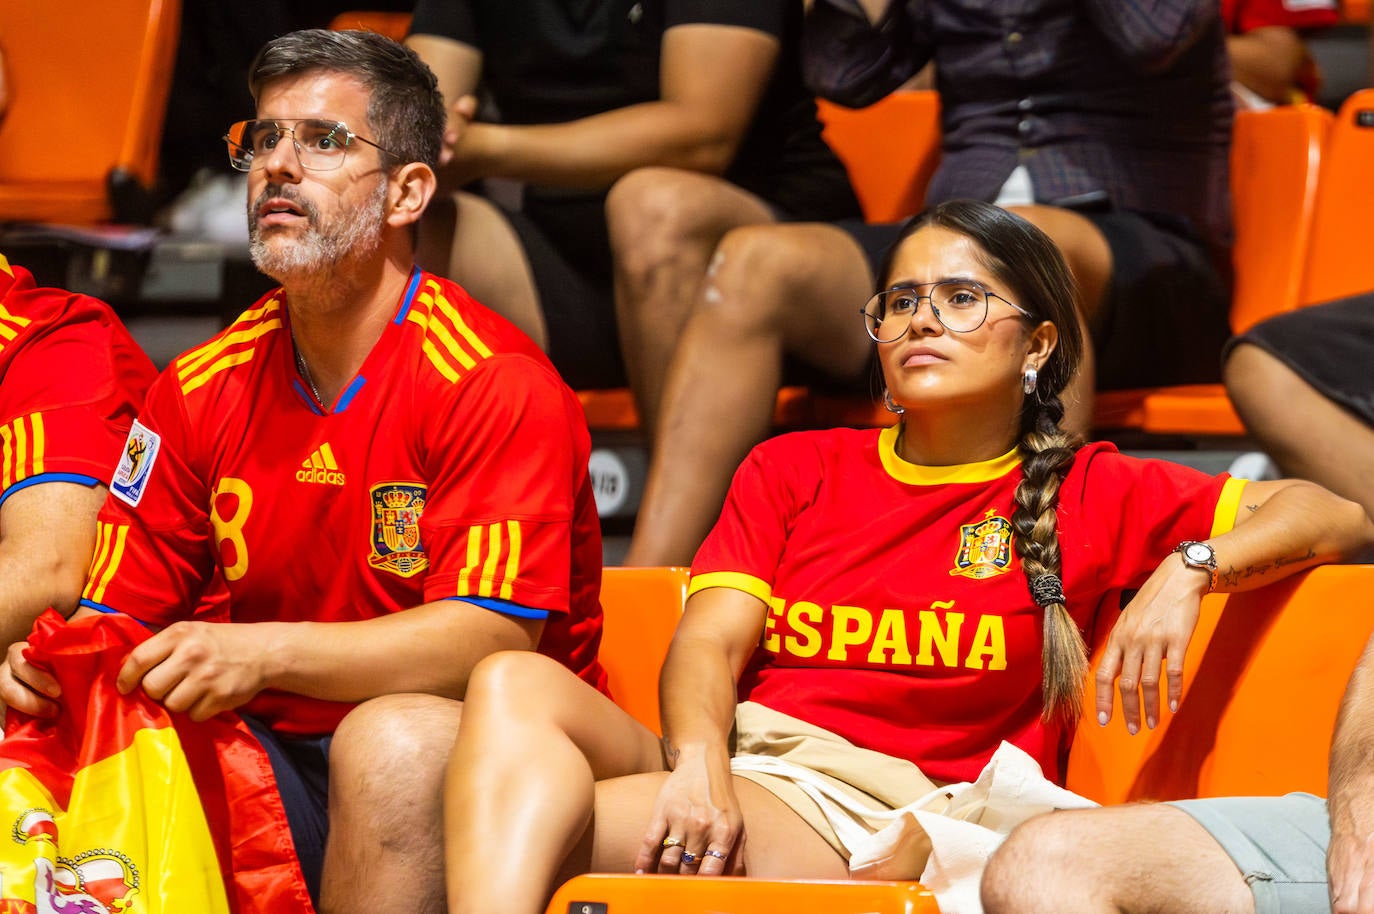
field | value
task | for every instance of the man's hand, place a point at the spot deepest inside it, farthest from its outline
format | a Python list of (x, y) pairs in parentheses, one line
[(201, 668), (1350, 868), (25, 687)]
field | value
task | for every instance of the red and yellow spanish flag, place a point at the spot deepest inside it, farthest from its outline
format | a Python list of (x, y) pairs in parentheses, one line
[(118, 805)]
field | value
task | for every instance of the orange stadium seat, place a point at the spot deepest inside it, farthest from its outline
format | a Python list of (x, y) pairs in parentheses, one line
[(890, 150), (1338, 262), (391, 24), (88, 90), (642, 607), (1355, 11), (1263, 683), (1243, 728), (697, 895), (1276, 156)]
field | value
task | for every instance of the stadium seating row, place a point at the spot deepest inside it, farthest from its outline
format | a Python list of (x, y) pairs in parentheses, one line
[(1264, 676), (1299, 192), (1299, 189)]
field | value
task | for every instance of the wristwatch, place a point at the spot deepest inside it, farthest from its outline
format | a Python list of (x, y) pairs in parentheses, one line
[(1200, 555)]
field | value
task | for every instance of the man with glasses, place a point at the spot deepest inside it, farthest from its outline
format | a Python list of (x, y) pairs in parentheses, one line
[(390, 479)]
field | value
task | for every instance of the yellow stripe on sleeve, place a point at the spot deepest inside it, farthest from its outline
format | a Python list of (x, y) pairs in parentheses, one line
[(494, 547), (1228, 505), (6, 457), (474, 558), (512, 559), (734, 580), (39, 443)]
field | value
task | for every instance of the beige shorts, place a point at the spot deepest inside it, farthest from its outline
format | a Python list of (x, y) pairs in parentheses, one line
[(871, 779)]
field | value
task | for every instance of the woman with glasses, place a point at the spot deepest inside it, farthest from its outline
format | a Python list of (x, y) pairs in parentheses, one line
[(876, 610)]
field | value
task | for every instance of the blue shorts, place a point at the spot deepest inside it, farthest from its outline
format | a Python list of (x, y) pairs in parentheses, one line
[(1278, 844), (301, 767)]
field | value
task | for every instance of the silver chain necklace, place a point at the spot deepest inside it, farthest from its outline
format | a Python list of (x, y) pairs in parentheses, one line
[(305, 373)]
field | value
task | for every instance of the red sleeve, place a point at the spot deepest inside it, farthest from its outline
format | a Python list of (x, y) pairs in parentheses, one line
[(153, 555), (748, 540), (1134, 512), (502, 460), (71, 387), (1247, 15)]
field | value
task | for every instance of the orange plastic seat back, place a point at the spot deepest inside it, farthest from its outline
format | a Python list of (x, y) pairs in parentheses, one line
[(391, 24), (1275, 159), (696, 895), (890, 150), (1355, 11), (1263, 682), (642, 607), (88, 94), (1339, 261)]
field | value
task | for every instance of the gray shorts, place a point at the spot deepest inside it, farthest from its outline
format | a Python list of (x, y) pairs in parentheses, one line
[(1278, 844)]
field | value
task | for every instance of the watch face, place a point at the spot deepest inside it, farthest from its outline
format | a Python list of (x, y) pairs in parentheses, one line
[(1200, 553)]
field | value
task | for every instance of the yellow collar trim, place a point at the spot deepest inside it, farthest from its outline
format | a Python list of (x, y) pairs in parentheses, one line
[(916, 475)]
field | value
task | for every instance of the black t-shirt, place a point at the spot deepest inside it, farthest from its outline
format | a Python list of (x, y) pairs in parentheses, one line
[(550, 61)]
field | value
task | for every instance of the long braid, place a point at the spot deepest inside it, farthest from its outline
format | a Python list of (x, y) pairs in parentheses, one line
[(1047, 453)]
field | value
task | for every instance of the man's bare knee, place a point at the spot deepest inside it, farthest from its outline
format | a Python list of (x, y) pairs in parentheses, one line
[(391, 749), (1043, 845), (652, 212)]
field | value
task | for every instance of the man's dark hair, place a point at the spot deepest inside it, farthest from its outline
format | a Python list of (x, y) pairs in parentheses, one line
[(405, 110)]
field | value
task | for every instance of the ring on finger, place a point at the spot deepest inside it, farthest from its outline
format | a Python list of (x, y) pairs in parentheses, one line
[(688, 857), (670, 841), (719, 855)]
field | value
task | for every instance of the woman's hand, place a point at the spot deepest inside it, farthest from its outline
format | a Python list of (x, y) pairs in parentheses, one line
[(1153, 631), (696, 826)]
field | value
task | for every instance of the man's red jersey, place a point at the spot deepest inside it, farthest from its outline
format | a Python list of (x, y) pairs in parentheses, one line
[(898, 613), (454, 465), (71, 382)]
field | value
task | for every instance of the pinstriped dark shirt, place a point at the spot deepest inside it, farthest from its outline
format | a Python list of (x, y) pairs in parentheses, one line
[(1108, 103)]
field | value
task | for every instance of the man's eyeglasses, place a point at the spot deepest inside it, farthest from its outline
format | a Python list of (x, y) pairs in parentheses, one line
[(321, 145), (960, 305)]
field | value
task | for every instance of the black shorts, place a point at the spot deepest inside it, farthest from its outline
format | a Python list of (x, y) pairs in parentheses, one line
[(1329, 347), (1165, 317), (569, 252), (301, 768)]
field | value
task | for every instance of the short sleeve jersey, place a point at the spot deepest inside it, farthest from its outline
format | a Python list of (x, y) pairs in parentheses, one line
[(898, 614), (71, 381), (550, 61), (453, 466)]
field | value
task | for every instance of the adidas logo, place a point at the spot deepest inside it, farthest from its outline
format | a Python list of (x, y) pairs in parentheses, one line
[(321, 467)]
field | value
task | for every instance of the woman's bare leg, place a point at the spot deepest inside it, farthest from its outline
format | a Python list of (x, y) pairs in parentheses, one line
[(520, 785), (777, 843)]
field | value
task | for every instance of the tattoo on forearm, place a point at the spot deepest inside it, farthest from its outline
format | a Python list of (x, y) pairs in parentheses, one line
[(1252, 508), (1233, 575), (1297, 558)]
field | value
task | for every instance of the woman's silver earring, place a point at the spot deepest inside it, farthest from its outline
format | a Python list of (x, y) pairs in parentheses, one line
[(1029, 379), (891, 407)]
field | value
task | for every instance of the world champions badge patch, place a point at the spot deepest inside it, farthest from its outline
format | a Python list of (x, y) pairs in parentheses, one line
[(396, 546), (984, 548)]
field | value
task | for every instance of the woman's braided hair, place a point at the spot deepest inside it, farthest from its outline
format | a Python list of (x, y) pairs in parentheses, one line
[(1024, 258)]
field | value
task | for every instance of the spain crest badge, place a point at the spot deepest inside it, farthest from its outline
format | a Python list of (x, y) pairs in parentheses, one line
[(984, 548), (396, 546)]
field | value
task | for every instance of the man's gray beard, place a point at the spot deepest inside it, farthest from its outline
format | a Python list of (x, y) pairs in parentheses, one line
[(325, 244)]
